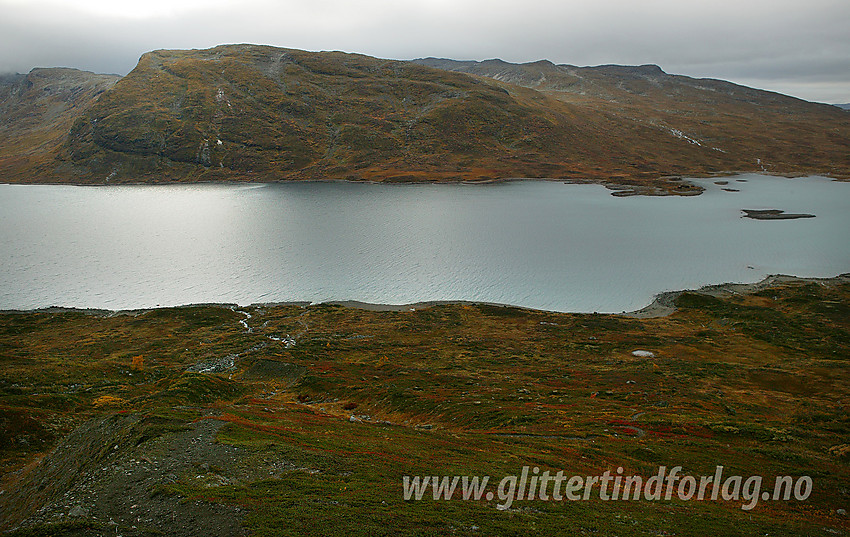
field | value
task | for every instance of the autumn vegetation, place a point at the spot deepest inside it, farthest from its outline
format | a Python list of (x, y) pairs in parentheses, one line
[(259, 113), (757, 383)]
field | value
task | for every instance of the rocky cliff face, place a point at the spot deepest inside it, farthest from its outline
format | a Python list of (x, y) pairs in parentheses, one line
[(248, 112)]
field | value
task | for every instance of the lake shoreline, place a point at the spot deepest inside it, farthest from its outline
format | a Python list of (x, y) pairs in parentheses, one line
[(677, 185), (540, 245), (662, 305)]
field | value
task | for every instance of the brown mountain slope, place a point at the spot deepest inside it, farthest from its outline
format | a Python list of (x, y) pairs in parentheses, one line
[(749, 127), (247, 112), (36, 112), (268, 114)]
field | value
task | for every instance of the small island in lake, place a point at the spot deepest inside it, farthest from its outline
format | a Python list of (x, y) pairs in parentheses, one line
[(773, 214)]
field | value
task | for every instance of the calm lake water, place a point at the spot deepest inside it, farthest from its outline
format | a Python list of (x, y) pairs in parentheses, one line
[(544, 245)]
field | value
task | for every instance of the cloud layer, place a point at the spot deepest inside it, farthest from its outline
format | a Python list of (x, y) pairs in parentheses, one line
[(795, 47)]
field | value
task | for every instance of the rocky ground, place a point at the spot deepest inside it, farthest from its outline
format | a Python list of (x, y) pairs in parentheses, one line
[(296, 419)]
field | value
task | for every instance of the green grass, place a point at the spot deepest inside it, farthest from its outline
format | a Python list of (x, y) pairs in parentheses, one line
[(457, 390)]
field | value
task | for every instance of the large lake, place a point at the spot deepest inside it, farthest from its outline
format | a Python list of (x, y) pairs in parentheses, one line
[(538, 244)]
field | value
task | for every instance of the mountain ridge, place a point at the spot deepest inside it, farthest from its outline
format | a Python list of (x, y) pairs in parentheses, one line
[(37, 110), (261, 113)]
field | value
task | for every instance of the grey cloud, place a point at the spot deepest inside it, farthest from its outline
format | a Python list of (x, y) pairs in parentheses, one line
[(781, 44)]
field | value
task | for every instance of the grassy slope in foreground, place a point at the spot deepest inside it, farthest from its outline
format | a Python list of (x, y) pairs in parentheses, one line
[(109, 422), (247, 112)]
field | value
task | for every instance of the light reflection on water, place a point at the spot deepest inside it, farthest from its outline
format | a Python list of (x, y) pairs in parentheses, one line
[(537, 244)]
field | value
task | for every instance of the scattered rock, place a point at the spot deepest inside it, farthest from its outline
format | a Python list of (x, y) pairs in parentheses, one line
[(98, 472), (643, 354), (78, 511), (214, 365)]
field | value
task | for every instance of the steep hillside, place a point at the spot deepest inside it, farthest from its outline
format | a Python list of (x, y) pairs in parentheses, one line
[(36, 112), (266, 113), (728, 126), (248, 112)]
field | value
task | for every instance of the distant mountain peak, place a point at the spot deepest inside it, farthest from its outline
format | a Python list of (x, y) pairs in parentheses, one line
[(262, 113), (648, 69)]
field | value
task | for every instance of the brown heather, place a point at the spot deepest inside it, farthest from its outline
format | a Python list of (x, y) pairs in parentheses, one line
[(259, 113)]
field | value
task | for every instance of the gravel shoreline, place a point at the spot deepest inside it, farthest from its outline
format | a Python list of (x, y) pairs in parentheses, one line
[(662, 305), (665, 303)]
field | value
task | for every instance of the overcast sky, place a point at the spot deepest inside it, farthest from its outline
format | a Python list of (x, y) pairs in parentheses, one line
[(798, 47)]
